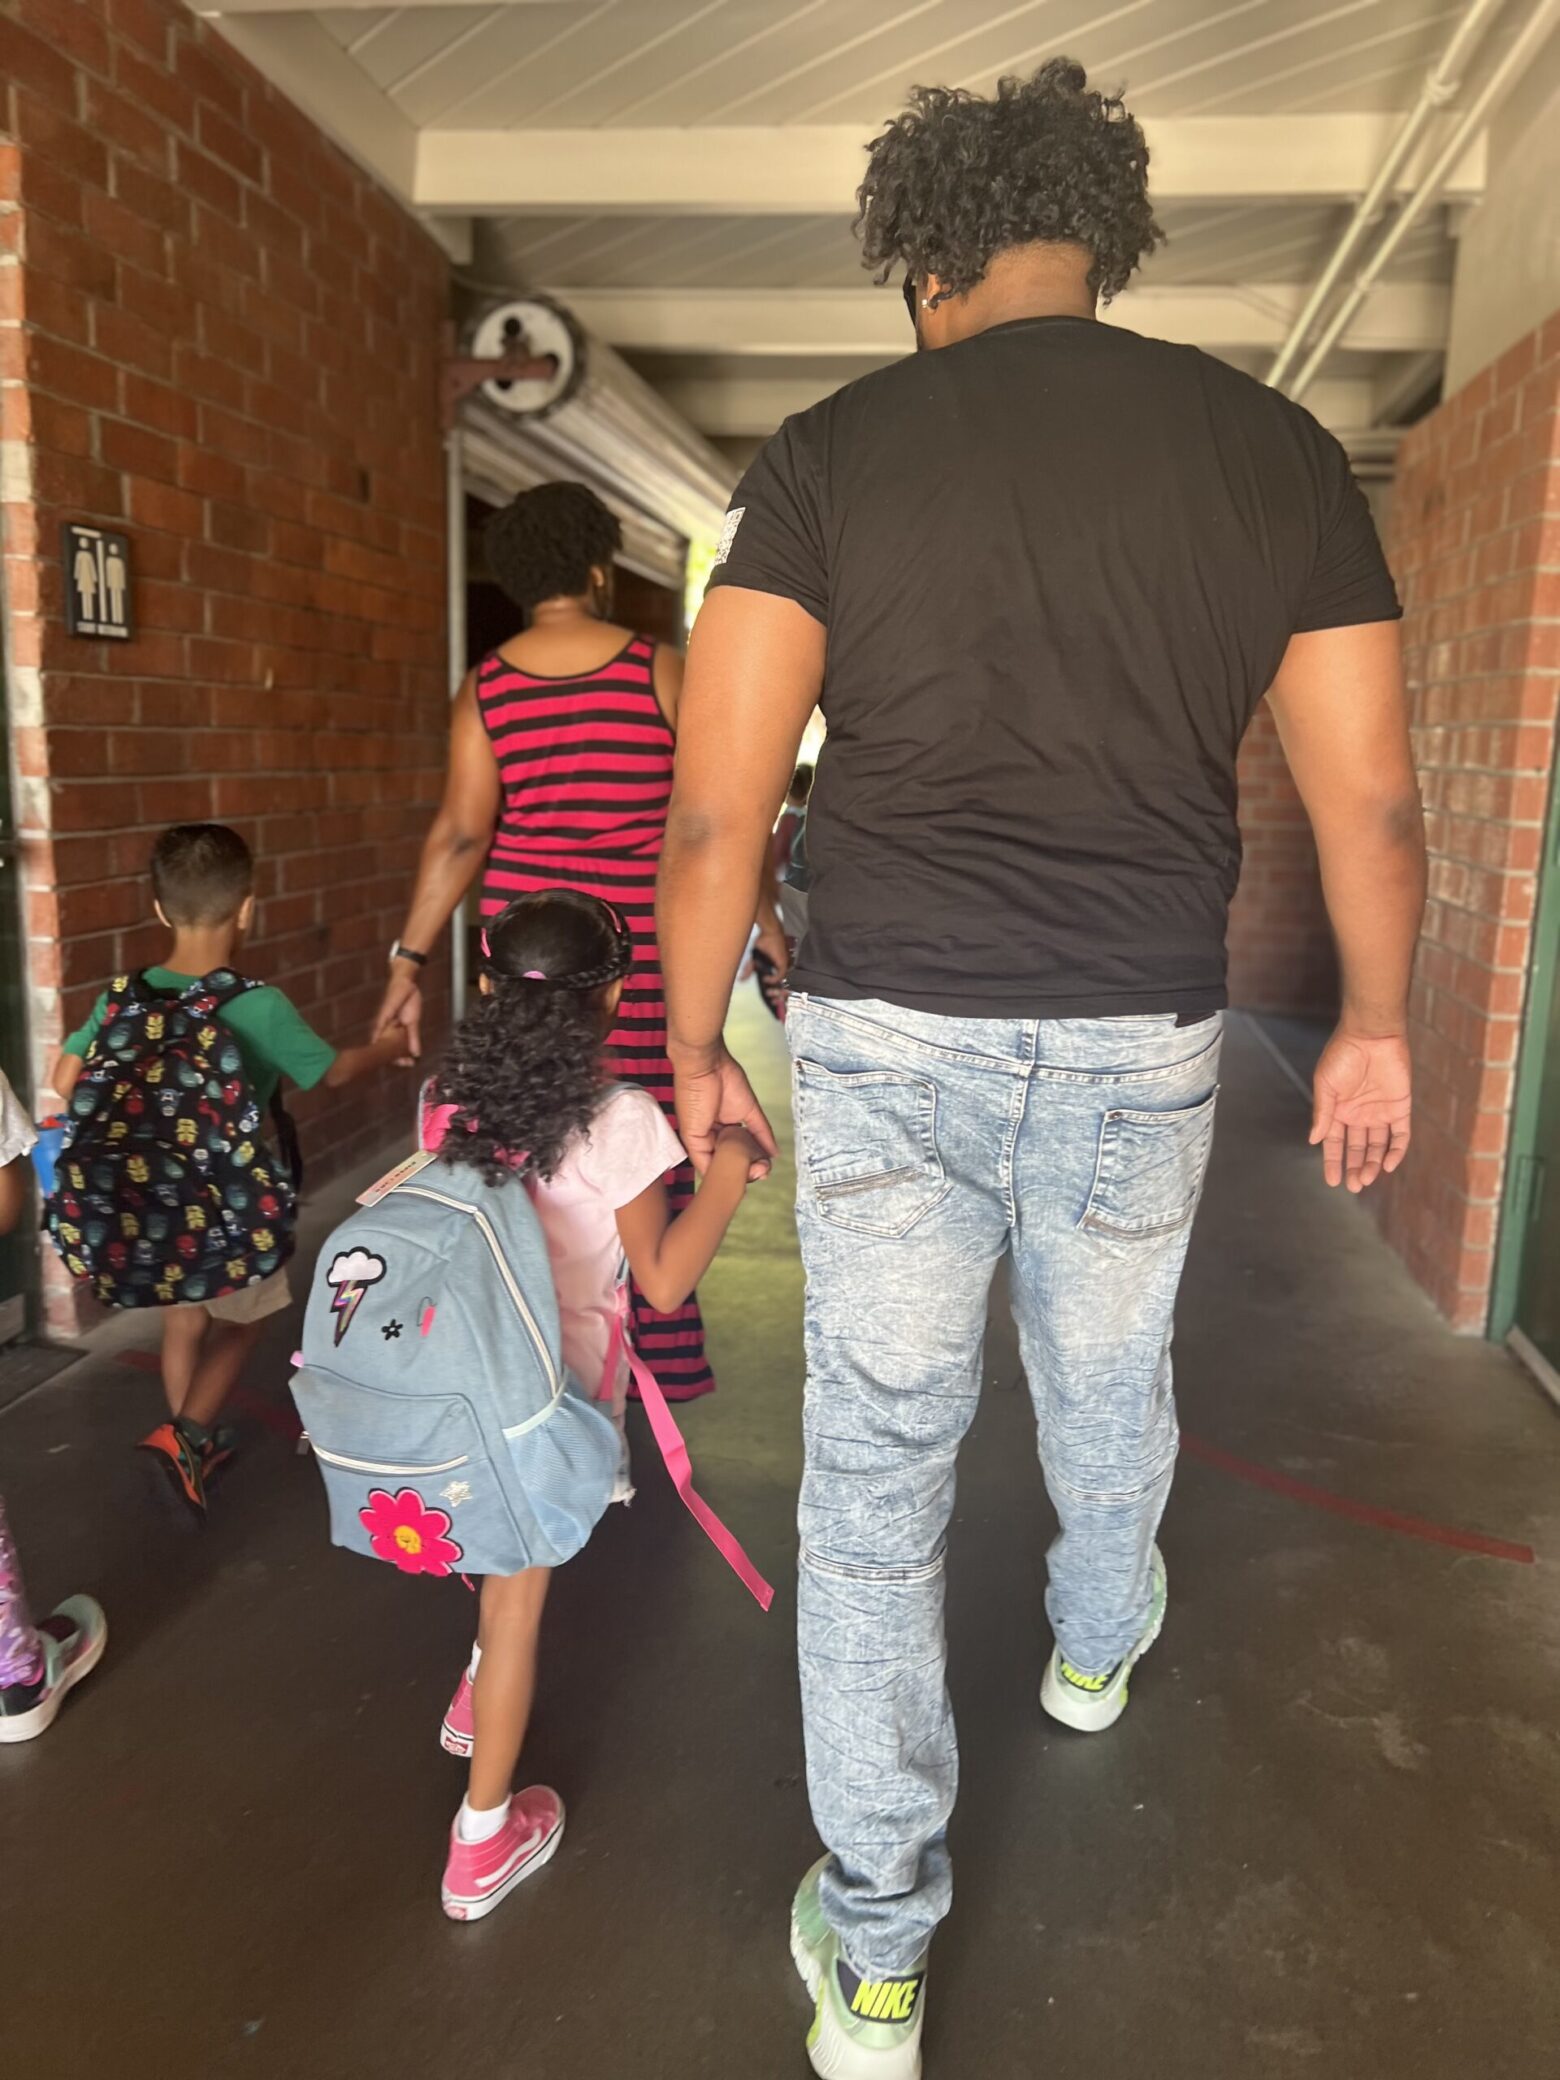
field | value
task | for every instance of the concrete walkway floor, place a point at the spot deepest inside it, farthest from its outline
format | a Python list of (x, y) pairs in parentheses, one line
[(1323, 1840)]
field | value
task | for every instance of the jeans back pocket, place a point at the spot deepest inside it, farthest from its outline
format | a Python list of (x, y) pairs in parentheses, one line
[(1148, 1173), (868, 1146)]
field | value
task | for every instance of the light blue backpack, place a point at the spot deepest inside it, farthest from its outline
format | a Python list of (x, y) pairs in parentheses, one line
[(450, 1437)]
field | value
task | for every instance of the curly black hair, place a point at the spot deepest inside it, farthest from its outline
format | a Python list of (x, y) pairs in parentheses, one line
[(544, 543), (525, 1069), (958, 178)]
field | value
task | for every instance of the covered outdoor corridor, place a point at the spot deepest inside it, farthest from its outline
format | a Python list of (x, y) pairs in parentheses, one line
[(1322, 1839)]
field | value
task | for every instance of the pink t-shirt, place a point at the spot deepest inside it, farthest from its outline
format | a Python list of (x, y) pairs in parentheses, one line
[(627, 1146)]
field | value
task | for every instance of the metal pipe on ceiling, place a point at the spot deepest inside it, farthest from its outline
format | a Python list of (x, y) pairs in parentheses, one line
[(1540, 23), (1442, 85)]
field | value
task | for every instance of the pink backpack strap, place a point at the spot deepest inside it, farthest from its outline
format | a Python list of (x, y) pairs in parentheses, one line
[(674, 1455)]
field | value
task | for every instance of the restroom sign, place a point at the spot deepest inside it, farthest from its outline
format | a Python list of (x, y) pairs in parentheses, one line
[(97, 583)]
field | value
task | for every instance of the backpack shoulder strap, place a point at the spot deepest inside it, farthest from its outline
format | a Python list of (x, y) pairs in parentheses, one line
[(221, 986)]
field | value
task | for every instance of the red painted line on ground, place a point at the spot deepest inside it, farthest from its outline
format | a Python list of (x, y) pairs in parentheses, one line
[(1357, 1512)]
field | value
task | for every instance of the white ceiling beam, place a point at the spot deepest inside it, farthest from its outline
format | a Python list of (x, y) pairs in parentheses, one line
[(296, 54), (797, 170), (1401, 317)]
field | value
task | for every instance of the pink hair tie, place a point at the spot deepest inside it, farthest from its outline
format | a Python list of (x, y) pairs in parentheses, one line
[(535, 975), (487, 951)]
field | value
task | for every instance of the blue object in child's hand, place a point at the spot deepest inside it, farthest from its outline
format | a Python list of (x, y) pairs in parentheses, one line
[(46, 1151)]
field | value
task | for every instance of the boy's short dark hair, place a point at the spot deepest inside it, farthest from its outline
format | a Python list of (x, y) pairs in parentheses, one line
[(201, 873)]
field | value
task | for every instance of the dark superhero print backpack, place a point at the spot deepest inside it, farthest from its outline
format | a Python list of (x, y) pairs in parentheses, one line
[(164, 1190)]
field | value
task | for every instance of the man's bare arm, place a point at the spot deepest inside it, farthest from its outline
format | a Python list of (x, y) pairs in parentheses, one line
[(1343, 717), (755, 670)]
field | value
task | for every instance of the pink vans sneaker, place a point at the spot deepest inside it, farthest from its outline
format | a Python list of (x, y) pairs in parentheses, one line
[(459, 1730), (480, 1874)]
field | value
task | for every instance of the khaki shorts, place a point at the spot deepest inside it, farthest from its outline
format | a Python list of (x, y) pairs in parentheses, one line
[(250, 1303)]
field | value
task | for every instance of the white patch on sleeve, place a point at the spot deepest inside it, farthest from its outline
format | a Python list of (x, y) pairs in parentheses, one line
[(728, 535)]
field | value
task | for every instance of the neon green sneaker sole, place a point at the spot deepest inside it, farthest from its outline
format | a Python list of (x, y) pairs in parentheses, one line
[(1091, 1704), (842, 2046)]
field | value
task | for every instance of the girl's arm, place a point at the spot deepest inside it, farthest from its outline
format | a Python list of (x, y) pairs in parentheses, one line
[(668, 1257), (15, 1182)]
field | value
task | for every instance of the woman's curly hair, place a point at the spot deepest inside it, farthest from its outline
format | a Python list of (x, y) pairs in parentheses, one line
[(546, 541), (957, 179), (525, 1070)]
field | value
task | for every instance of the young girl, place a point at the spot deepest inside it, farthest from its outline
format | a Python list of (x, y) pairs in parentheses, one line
[(524, 1091)]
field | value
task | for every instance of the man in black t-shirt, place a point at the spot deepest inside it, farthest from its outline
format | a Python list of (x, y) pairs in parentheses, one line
[(1039, 577)]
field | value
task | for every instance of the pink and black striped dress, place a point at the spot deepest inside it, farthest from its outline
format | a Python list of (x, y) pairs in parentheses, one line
[(586, 766)]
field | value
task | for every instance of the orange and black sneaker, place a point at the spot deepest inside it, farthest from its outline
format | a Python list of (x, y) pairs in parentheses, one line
[(219, 1445), (179, 1461)]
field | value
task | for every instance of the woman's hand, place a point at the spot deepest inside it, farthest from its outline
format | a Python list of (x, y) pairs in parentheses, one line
[(401, 1005)]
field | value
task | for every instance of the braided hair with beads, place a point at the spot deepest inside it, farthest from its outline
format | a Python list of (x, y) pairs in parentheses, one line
[(527, 1068)]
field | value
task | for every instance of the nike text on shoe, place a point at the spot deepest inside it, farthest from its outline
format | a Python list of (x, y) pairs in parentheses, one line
[(1089, 1703), (863, 2029), (73, 1639), (480, 1874)]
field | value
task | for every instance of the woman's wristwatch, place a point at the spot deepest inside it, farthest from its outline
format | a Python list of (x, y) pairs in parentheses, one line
[(398, 952)]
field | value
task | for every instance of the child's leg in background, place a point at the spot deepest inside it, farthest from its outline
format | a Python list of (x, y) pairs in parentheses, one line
[(202, 1355), (39, 1664), (223, 1352), (21, 1650), (184, 1330), (206, 1345), (505, 1682)]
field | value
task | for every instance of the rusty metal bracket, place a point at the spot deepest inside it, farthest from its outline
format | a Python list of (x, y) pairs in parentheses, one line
[(460, 374)]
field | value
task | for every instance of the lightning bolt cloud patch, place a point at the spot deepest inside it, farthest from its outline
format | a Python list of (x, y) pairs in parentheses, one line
[(349, 1278)]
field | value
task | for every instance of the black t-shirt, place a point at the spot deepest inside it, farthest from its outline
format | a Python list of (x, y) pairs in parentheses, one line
[(1058, 565)]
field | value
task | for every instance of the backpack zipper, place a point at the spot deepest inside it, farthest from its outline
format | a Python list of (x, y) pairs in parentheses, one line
[(389, 1472), (422, 1191)]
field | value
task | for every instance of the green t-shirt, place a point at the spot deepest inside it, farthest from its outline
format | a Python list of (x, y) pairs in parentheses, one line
[(274, 1038)]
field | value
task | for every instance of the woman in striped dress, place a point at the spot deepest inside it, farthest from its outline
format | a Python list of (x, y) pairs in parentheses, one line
[(560, 774)]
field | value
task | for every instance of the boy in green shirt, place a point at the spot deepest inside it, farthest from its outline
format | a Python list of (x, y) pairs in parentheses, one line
[(203, 883)]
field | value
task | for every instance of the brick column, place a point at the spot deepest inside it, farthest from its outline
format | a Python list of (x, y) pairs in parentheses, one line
[(219, 335), (1476, 548)]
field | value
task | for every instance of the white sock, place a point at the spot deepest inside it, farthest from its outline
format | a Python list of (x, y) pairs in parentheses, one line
[(473, 1826), (474, 1663)]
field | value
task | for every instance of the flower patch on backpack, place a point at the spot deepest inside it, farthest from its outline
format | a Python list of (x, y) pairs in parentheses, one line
[(405, 1531)]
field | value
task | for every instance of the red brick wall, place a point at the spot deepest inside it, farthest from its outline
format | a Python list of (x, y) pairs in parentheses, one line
[(218, 334), (1476, 548), (1281, 949)]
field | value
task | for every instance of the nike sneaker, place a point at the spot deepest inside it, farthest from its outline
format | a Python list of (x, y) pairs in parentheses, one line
[(1087, 1702)]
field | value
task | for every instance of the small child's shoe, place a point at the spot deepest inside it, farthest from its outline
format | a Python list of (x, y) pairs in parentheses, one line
[(480, 1874), (179, 1463), (72, 1640), (459, 1730)]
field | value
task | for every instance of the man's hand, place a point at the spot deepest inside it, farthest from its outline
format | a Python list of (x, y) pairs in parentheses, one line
[(772, 942), (1363, 1104), (401, 1007), (713, 1092)]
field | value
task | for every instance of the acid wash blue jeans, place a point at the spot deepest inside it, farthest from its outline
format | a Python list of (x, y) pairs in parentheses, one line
[(927, 1148)]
